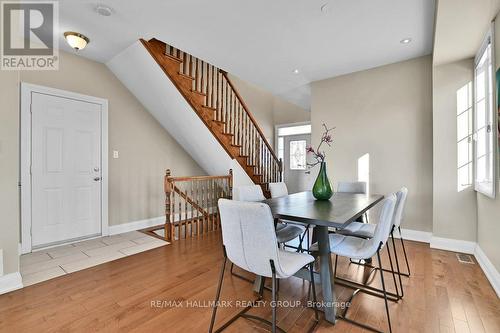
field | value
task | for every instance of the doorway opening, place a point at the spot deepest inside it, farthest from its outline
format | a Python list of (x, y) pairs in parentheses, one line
[(291, 143)]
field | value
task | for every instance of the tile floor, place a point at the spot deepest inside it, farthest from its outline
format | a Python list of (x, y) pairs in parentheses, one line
[(50, 263)]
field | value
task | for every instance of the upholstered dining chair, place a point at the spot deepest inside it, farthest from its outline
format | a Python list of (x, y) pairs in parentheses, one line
[(249, 241), (252, 193), (284, 232), (280, 189), (364, 230), (360, 248), (354, 187)]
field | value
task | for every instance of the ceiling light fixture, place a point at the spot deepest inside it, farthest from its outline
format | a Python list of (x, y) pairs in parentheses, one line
[(103, 10), (76, 40), (295, 71), (405, 41)]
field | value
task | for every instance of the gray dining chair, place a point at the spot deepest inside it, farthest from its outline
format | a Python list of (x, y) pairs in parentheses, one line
[(364, 230), (360, 248), (356, 188), (280, 189), (249, 241), (284, 232), (252, 193)]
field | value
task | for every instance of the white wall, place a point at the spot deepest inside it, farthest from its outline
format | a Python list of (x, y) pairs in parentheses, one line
[(386, 112)]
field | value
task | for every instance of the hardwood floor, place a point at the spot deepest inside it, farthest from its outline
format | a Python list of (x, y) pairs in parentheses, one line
[(139, 293)]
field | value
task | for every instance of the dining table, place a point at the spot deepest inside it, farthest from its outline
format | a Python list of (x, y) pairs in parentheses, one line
[(337, 212)]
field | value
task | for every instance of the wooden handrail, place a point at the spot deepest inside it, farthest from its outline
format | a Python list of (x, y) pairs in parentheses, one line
[(191, 204), (215, 99), (224, 73)]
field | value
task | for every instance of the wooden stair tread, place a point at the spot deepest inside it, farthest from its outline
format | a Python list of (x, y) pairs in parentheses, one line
[(198, 92), (219, 121), (186, 76), (209, 107)]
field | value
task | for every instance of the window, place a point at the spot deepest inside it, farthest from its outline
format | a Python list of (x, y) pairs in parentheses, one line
[(286, 130), (484, 131), (298, 155), (281, 148), (464, 137), (294, 130)]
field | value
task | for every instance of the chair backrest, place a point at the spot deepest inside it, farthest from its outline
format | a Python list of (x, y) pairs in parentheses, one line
[(278, 189), (248, 193), (400, 206), (383, 228), (352, 187), (248, 235)]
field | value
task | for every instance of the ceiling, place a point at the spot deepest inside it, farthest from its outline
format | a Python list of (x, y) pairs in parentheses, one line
[(263, 41), (461, 26)]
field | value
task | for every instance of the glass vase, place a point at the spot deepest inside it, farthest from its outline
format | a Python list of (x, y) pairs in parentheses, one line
[(322, 189)]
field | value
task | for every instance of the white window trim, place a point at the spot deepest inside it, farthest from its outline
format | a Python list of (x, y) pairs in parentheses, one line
[(25, 156), (481, 187), (277, 127)]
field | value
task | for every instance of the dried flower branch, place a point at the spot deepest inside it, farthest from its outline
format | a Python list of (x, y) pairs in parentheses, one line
[(319, 155)]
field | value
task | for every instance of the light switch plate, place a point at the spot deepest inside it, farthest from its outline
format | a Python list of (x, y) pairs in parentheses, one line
[(116, 154)]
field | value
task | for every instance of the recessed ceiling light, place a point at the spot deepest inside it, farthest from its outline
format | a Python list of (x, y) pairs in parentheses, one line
[(405, 41), (295, 71), (103, 10)]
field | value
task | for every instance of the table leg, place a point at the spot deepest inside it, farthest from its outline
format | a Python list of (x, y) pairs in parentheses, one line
[(326, 273)]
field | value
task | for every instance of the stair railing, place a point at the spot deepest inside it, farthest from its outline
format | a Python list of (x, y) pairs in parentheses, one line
[(191, 204), (227, 105)]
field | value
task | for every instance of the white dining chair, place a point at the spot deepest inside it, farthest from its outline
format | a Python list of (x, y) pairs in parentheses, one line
[(295, 230), (284, 232), (249, 241), (360, 248), (356, 188), (278, 189), (365, 230)]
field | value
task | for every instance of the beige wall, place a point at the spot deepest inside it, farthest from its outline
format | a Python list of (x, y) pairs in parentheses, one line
[(386, 112), (9, 166), (146, 149), (269, 110), (454, 213), (287, 113)]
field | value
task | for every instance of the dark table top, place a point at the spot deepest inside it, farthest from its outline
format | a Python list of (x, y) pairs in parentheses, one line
[(339, 211)]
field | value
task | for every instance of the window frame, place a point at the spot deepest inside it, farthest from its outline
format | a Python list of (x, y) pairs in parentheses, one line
[(487, 187)]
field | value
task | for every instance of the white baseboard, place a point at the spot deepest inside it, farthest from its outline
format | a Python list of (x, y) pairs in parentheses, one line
[(454, 245), (415, 235), (10, 282), (135, 225), (489, 270)]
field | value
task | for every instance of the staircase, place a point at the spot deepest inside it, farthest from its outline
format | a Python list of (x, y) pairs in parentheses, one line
[(213, 97)]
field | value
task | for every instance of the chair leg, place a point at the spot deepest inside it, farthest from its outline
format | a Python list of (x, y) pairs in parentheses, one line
[(392, 270), (384, 290), (404, 250), (397, 262), (335, 267), (315, 304), (217, 295), (273, 303)]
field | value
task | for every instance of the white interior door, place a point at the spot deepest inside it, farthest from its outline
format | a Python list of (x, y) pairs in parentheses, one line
[(296, 175), (65, 169)]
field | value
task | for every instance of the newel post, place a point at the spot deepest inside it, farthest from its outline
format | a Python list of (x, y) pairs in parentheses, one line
[(230, 183), (281, 170), (168, 200)]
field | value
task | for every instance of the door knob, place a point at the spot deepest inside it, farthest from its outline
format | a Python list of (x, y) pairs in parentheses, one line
[(97, 179), (96, 169)]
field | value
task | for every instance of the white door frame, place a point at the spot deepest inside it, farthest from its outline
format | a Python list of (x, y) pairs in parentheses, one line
[(25, 155)]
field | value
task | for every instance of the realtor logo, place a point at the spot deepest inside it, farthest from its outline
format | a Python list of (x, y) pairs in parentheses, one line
[(27, 38)]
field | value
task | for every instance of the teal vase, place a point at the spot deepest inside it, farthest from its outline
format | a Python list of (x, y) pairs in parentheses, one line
[(322, 189)]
